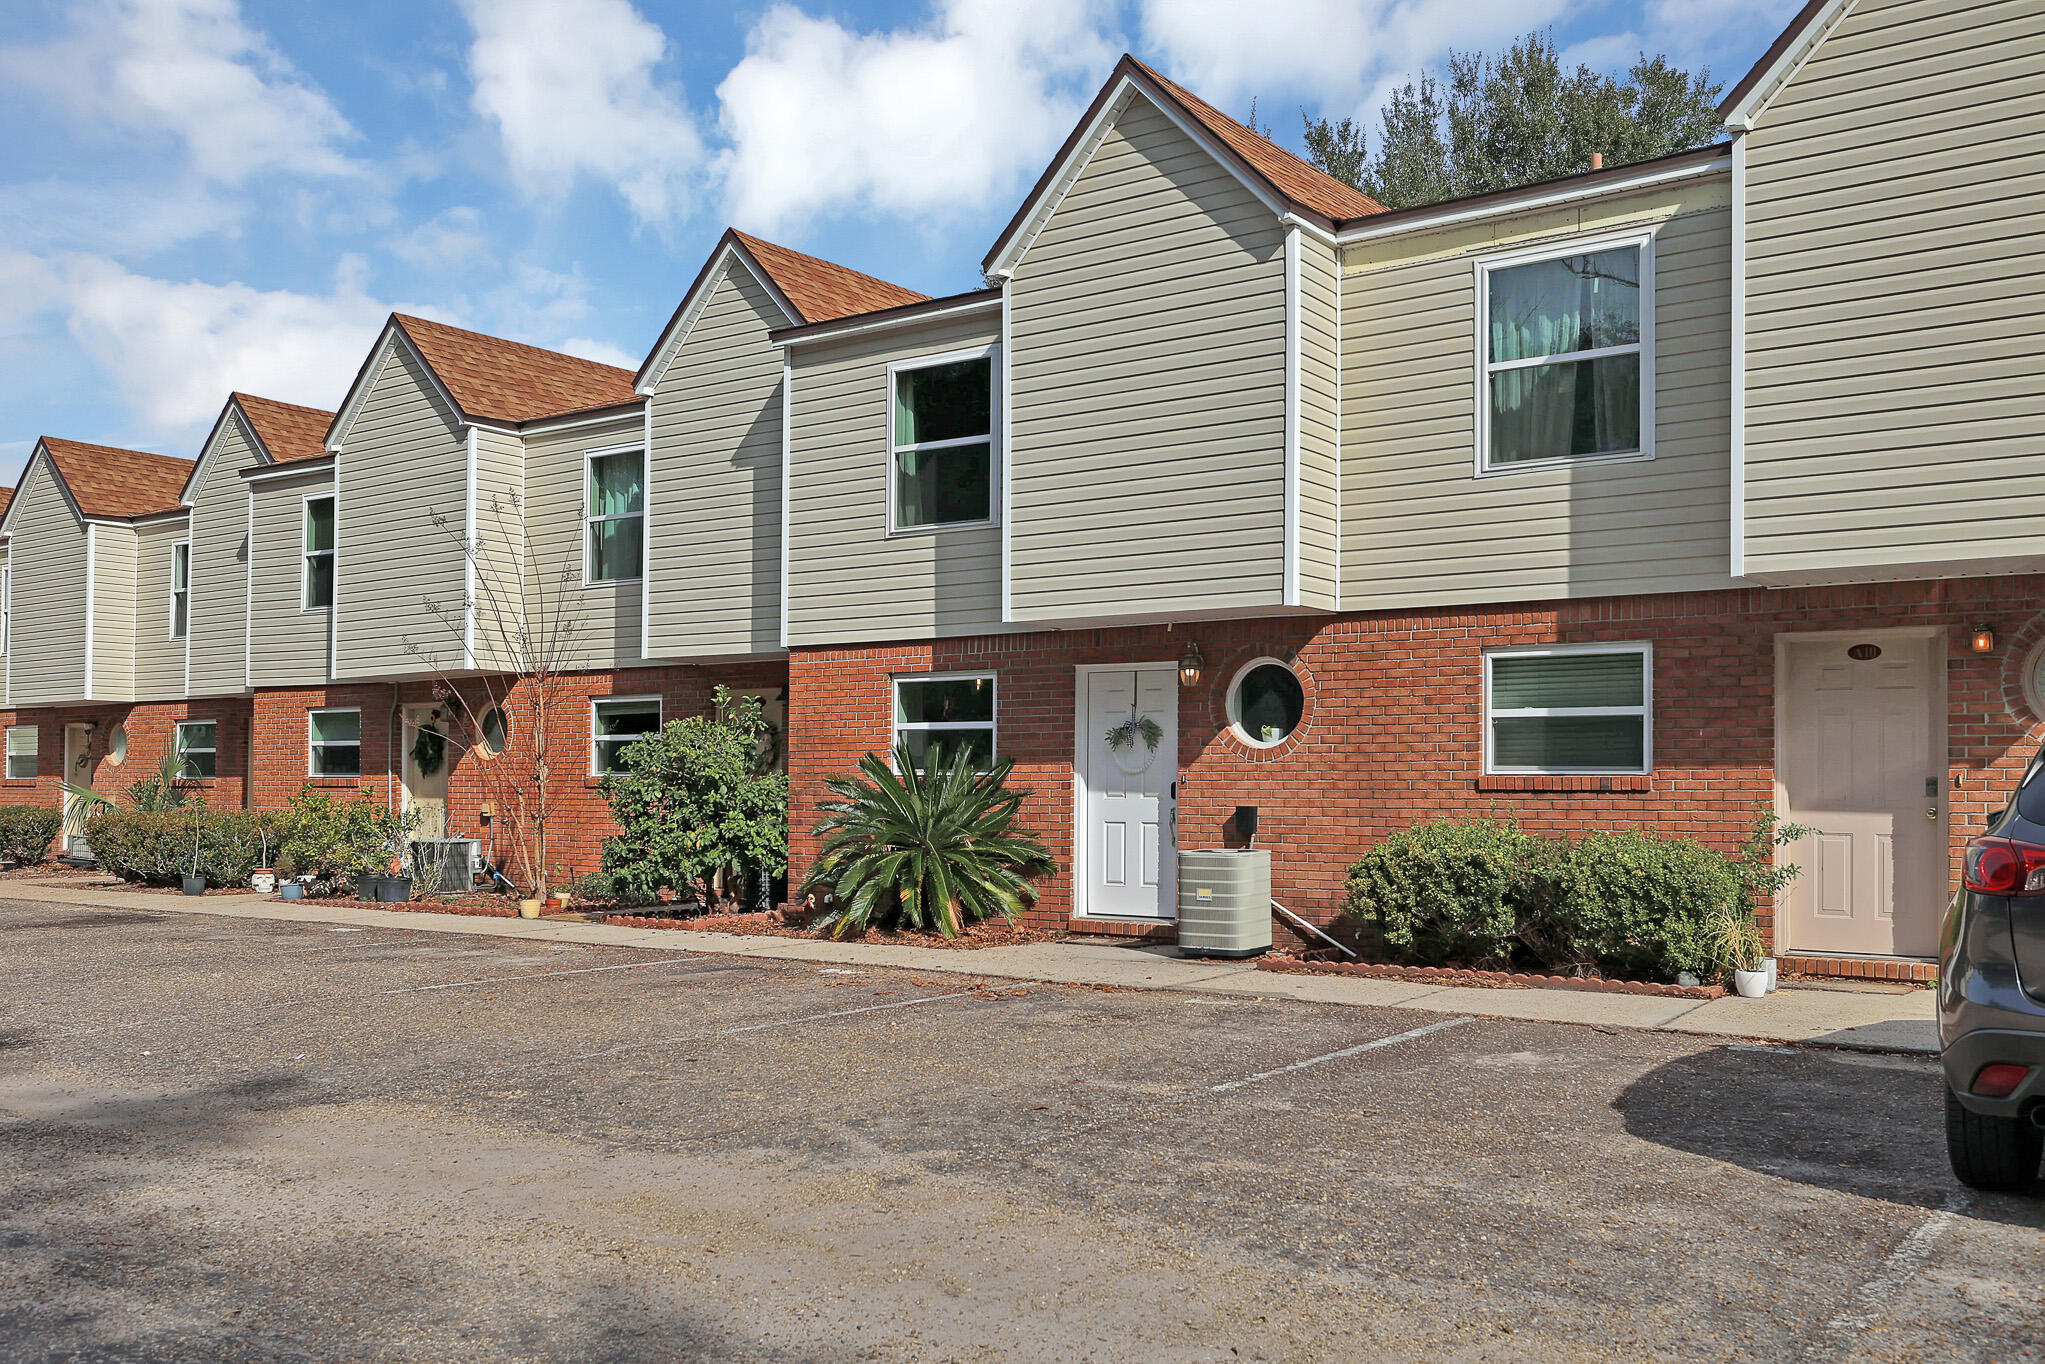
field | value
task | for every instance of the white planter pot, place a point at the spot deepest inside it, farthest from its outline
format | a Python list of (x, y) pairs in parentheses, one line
[(1768, 969), (1750, 984), (263, 882)]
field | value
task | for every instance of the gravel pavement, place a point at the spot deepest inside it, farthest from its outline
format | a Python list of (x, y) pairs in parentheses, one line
[(239, 1139)]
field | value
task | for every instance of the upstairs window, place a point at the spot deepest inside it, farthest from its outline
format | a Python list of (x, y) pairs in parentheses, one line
[(614, 546), (1567, 357), (318, 576), (1569, 710), (334, 740), (197, 745), (180, 589), (22, 743), (613, 725), (945, 714), (942, 470)]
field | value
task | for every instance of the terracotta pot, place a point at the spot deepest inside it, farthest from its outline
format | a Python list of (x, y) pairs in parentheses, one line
[(563, 901), (530, 909)]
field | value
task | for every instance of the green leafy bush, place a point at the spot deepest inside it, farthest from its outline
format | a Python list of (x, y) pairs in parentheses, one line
[(1638, 905), (159, 847), (1443, 891), (933, 849), (330, 839), (695, 799), (26, 832)]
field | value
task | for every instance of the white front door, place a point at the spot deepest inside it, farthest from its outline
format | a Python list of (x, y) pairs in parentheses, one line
[(1126, 802), (1863, 745), (427, 756), (77, 771)]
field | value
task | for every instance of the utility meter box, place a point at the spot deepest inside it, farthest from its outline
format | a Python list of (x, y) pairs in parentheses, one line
[(1224, 902)]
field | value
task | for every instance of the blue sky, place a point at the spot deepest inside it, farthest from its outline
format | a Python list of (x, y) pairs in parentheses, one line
[(201, 195)]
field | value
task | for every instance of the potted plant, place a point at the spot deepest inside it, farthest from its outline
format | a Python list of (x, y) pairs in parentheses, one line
[(394, 887), (1737, 942), (263, 879)]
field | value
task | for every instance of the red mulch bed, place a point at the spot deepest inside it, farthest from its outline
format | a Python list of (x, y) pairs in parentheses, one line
[(1487, 980), (481, 909), (987, 933)]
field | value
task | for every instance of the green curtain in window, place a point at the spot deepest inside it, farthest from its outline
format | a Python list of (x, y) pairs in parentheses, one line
[(1551, 307), (617, 485)]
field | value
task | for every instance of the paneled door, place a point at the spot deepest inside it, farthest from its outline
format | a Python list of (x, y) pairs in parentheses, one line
[(1863, 745), (1128, 764), (427, 756)]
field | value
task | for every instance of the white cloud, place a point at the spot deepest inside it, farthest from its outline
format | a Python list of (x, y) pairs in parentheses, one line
[(193, 70), (452, 238), (603, 352), (935, 120), (174, 349), (570, 85)]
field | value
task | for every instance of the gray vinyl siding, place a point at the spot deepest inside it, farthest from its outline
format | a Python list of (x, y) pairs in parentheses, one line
[(289, 645), (159, 660), (406, 460), (716, 462), (47, 549), (848, 579), (1146, 438), (1420, 528), (602, 619), (502, 533), (1895, 360), (1320, 452), (114, 556), (220, 567)]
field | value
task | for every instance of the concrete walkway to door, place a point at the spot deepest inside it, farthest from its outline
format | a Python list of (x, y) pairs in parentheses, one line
[(1867, 1017)]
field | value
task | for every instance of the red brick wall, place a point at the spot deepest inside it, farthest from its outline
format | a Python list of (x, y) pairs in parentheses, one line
[(149, 727), (1393, 727)]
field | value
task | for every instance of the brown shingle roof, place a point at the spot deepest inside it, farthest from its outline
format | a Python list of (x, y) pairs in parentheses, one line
[(107, 481), (497, 380), (1302, 183), (6, 500), (820, 290), (287, 431)]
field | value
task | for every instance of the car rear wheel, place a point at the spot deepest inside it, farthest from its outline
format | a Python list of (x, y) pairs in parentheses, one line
[(1991, 1153)]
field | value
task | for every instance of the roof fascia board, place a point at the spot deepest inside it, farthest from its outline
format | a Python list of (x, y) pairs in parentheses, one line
[(1742, 116), (297, 468), (852, 326), (372, 369), (698, 298), (1368, 230), (603, 416), (1004, 262)]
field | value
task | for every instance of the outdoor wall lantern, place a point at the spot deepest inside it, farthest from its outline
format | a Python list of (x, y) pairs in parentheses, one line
[(1984, 639), (1191, 664)]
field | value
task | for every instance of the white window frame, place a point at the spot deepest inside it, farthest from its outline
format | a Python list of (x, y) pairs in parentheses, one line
[(1645, 710), (659, 720), (183, 750), (990, 353), (589, 521), (1484, 266), (34, 753), (306, 556), (313, 745), (180, 549), (1232, 701), (897, 726)]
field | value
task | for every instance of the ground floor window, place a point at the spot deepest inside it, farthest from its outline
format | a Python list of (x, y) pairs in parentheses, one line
[(334, 738), (1569, 709), (22, 746), (945, 713), (1266, 703), (616, 723), (197, 745)]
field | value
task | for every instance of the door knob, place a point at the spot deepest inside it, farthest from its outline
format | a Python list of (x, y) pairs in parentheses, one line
[(1931, 812)]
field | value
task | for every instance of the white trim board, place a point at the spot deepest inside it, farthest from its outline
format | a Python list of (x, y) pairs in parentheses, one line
[(470, 552), (1533, 199), (677, 333), (854, 327), (1289, 572), (1742, 116)]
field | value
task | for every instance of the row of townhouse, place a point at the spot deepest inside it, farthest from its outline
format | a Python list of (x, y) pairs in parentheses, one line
[(1639, 497)]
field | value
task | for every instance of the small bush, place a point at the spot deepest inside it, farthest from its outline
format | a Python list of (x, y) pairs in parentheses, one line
[(160, 847), (1638, 905), (1443, 891), (26, 832), (330, 839)]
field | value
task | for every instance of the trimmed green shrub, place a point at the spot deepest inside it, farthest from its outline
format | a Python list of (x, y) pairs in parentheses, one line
[(1638, 905), (1443, 891), (330, 839), (26, 832), (160, 847)]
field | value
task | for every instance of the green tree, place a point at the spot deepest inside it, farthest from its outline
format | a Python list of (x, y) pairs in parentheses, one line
[(698, 798), (1494, 122)]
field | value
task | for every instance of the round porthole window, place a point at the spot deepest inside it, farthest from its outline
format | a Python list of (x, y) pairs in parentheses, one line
[(1265, 703), (117, 745), (2034, 680), (494, 731)]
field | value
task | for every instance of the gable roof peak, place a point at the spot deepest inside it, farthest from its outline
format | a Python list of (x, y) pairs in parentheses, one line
[(494, 379), (288, 432), (110, 482)]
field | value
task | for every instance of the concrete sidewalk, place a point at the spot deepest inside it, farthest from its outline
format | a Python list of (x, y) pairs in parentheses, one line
[(1870, 1019)]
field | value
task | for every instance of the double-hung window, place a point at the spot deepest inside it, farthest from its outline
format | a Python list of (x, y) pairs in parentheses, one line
[(945, 714), (317, 576), (21, 752), (1570, 709), (941, 467), (1566, 356), (334, 743), (614, 724), (197, 746), (614, 542), (180, 589)]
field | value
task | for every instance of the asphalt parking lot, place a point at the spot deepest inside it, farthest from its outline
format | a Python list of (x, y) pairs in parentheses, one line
[(229, 1139)]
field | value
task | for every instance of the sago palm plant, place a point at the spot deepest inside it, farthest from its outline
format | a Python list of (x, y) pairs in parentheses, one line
[(932, 849)]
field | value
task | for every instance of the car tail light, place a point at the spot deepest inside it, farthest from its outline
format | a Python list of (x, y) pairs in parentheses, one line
[(2003, 866), (1999, 1079)]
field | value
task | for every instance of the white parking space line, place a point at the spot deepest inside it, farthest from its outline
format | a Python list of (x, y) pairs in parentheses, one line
[(1323, 1059), (1879, 1293), (794, 1022)]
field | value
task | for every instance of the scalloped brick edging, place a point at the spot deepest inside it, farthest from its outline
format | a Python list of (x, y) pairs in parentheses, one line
[(1488, 980), (414, 907)]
